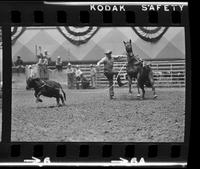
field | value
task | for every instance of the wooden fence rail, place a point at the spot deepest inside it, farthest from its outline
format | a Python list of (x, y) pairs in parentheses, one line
[(166, 73)]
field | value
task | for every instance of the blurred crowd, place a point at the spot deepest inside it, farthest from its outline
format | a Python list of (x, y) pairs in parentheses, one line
[(76, 78)]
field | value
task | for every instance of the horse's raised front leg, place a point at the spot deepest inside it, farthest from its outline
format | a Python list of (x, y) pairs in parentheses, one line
[(37, 95), (61, 96), (129, 83), (58, 101)]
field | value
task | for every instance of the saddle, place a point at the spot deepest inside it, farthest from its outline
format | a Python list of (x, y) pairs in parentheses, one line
[(137, 61)]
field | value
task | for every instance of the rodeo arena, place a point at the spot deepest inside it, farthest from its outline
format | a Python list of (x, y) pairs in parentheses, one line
[(92, 105)]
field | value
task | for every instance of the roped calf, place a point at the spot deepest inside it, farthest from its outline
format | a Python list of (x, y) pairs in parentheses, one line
[(47, 88)]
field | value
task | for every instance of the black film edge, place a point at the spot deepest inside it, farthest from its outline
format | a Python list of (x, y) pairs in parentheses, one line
[(92, 127)]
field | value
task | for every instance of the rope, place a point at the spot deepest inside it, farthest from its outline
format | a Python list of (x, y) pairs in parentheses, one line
[(117, 76)]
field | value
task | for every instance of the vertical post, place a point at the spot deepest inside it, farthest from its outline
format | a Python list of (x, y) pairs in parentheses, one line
[(171, 70), (7, 85), (158, 76)]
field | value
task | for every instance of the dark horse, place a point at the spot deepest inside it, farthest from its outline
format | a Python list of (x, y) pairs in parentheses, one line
[(136, 70)]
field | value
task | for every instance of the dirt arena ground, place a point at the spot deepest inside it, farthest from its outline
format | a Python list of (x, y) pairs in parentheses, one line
[(90, 116)]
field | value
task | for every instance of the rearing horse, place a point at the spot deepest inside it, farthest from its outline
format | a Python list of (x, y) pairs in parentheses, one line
[(135, 69)]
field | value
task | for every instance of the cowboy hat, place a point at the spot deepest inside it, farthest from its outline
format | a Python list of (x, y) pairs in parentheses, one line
[(108, 52)]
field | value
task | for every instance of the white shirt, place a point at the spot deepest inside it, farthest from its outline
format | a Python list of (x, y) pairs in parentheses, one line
[(78, 73), (58, 61)]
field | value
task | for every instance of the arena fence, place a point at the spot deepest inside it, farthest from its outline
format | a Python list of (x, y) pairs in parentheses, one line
[(167, 73)]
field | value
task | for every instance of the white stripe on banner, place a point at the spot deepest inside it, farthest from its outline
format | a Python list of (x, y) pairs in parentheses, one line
[(78, 35), (16, 32), (150, 34), (79, 30)]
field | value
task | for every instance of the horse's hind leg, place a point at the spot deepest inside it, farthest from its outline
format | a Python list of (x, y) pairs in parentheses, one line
[(138, 88), (153, 87), (138, 85), (154, 92), (62, 99), (58, 101), (129, 83), (143, 91)]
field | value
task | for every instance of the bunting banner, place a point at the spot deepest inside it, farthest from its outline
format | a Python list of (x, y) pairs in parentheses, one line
[(16, 32), (81, 35), (150, 34), (78, 35)]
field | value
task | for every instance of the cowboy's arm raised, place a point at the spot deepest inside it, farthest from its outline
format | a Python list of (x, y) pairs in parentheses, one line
[(40, 62), (101, 61), (116, 56)]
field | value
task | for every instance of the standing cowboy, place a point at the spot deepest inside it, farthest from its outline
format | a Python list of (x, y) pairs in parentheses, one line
[(19, 64), (108, 62), (78, 74), (70, 76), (40, 55), (59, 64), (42, 65), (47, 56)]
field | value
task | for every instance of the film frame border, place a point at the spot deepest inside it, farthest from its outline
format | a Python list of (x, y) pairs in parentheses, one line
[(16, 151)]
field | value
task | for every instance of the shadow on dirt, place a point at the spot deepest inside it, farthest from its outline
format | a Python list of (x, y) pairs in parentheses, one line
[(53, 106), (129, 97)]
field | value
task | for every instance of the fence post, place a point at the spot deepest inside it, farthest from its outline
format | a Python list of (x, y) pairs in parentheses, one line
[(171, 70), (158, 77)]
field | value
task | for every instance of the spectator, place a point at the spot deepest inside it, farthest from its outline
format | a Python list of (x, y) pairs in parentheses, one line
[(47, 56), (59, 64), (84, 82), (40, 53), (78, 74), (42, 66), (70, 76), (19, 65), (93, 76)]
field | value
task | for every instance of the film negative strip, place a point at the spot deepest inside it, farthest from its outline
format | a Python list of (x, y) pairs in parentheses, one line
[(95, 83)]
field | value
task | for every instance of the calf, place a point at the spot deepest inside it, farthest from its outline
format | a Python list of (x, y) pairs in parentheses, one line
[(46, 88)]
